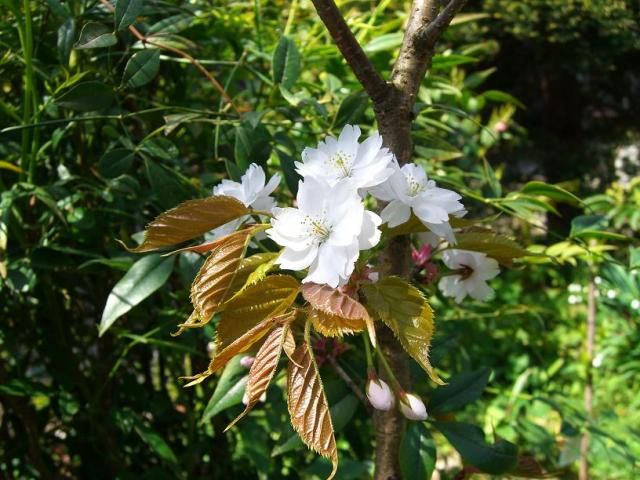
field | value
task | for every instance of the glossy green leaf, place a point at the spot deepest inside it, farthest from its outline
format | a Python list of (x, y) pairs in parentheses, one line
[(126, 13), (446, 62), (469, 441), (95, 35), (551, 191), (242, 148), (86, 96), (286, 63), (351, 109), (502, 97), (172, 24), (460, 390), (156, 442), (291, 177), (383, 43), (116, 162), (229, 389), (143, 278), (417, 452), (141, 68)]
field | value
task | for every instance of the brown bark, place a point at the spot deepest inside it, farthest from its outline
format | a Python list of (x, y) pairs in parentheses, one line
[(393, 103)]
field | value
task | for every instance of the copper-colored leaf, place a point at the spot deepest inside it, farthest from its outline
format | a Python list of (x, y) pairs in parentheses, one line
[(336, 313), (249, 265), (308, 405), (335, 326), (403, 308), (263, 369), (265, 299), (289, 343), (212, 285), (241, 344), (190, 220)]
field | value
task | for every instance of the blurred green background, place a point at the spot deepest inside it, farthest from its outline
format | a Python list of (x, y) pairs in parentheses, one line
[(100, 134)]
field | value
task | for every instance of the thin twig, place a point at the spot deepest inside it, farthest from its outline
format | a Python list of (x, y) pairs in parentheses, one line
[(145, 40), (365, 72), (348, 380), (429, 34)]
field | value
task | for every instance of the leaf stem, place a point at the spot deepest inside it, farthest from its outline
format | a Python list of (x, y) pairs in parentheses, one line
[(397, 388), (367, 352)]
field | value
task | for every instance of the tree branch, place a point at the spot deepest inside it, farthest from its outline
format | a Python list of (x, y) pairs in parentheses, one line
[(365, 72), (429, 34)]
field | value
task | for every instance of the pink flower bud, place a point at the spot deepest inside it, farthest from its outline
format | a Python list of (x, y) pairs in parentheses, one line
[(501, 126), (421, 257), (413, 407), (247, 361), (379, 394)]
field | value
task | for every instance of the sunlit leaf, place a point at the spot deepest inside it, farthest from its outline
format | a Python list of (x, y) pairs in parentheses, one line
[(308, 405), (334, 325), (286, 63), (496, 246), (248, 266), (145, 277), (189, 220), (263, 368), (403, 308), (212, 285), (95, 35), (551, 191), (229, 390)]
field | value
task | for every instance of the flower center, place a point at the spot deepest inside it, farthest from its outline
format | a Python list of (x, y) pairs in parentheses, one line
[(415, 187), (319, 228), (342, 162), (464, 271)]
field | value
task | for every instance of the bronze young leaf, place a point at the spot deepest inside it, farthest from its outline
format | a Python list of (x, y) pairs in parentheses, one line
[(308, 405), (190, 220)]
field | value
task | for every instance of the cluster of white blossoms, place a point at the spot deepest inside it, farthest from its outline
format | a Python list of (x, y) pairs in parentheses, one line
[(329, 226)]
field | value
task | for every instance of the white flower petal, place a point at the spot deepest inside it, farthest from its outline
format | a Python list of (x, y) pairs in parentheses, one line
[(370, 234), (395, 213)]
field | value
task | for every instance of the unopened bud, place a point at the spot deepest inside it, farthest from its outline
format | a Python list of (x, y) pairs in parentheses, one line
[(245, 397), (379, 394), (247, 361), (413, 407)]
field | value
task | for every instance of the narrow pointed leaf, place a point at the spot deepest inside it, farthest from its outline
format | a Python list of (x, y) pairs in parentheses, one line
[(308, 405), (229, 390), (212, 285), (190, 220), (95, 35), (126, 12), (141, 68), (265, 299), (403, 308), (263, 368)]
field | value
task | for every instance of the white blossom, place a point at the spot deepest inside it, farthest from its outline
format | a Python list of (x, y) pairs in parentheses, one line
[(409, 190), (471, 272), (325, 233), (412, 407), (379, 394), (252, 191), (365, 164)]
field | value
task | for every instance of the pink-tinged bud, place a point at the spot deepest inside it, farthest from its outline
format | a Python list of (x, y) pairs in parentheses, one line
[(379, 394), (501, 126), (245, 398), (247, 361), (421, 257), (413, 407)]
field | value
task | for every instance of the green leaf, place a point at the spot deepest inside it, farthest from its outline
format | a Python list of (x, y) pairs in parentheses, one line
[(503, 97), (445, 62), (172, 24), (66, 36), (170, 189), (383, 43), (417, 452), (116, 162), (286, 63), (460, 390), (634, 258), (591, 227), (351, 109), (229, 389), (143, 278), (95, 35), (502, 248), (242, 148), (551, 191), (86, 96), (126, 13), (291, 177), (468, 440), (403, 308), (156, 442), (434, 148), (141, 68)]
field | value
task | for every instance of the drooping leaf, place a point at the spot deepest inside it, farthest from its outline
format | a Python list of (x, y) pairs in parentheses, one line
[(334, 325), (126, 13), (496, 246), (496, 459), (189, 220), (95, 35), (265, 299), (86, 96), (286, 63), (550, 191), (460, 390), (336, 312), (156, 442), (143, 278), (229, 390), (308, 405), (212, 285), (263, 369), (403, 308), (417, 452), (141, 68)]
